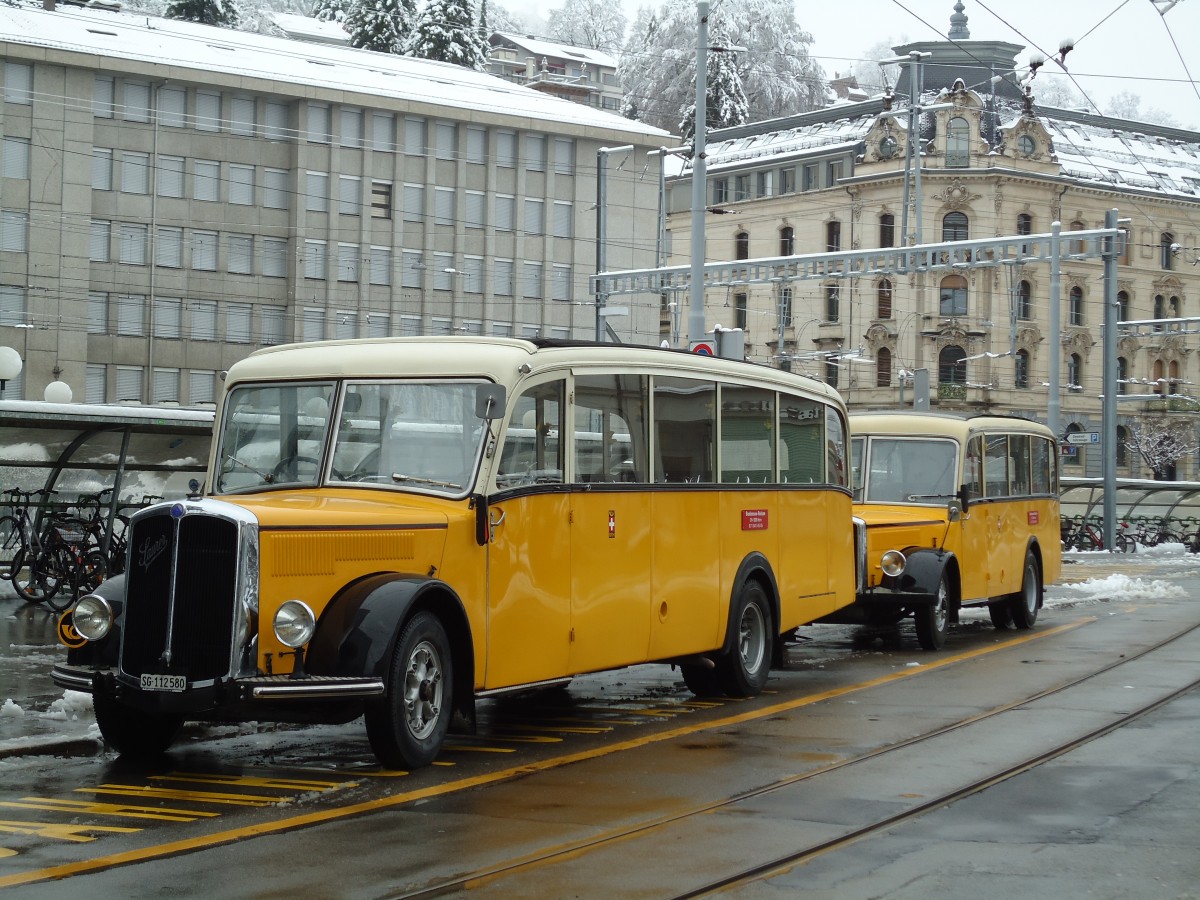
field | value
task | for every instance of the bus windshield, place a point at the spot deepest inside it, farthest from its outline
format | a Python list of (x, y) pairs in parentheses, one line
[(908, 470), (419, 435)]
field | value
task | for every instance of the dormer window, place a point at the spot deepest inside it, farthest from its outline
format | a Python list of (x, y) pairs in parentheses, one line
[(958, 144)]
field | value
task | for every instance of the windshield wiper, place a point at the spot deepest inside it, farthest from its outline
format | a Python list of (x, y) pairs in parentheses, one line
[(267, 477), (417, 479)]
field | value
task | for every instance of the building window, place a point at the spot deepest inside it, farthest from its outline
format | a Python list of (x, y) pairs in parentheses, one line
[(833, 172), (1166, 251), (958, 143), (275, 189), (204, 251), (1024, 300), (1123, 306), (241, 185), (953, 299), (954, 227), (720, 190), (887, 230), (1075, 306), (1160, 306), (1021, 373), (952, 365), (741, 310), (741, 245), (833, 236), (132, 240), (1122, 374), (349, 195), (241, 254), (1024, 223), (787, 241), (832, 302), (811, 177), (1074, 372), (785, 307), (18, 83), (206, 180), (787, 181), (741, 187), (14, 231), (883, 367), (883, 297), (831, 373), (1122, 449), (381, 199)]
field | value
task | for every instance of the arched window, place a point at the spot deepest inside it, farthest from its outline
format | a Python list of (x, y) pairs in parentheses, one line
[(954, 227), (1175, 311), (1172, 377), (741, 245), (831, 373), (833, 236), (1024, 223), (1166, 242), (1122, 374), (741, 318), (958, 144), (1021, 373), (1074, 371), (883, 367), (1024, 301), (1076, 458), (952, 366), (1076, 306), (787, 241), (887, 230), (883, 308), (953, 296), (1159, 377), (1122, 305), (1122, 450), (1076, 246), (1160, 309)]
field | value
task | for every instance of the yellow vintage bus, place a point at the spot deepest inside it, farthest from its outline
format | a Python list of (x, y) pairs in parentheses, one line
[(959, 511), (397, 527)]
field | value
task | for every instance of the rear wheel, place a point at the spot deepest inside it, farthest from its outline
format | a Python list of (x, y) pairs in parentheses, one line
[(34, 578), (933, 619), (132, 732), (1024, 604), (743, 671), (701, 679), (407, 726)]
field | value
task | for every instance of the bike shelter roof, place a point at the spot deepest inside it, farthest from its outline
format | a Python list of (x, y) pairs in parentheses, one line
[(78, 449), (1136, 498)]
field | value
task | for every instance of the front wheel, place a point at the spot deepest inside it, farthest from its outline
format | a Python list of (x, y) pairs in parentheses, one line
[(141, 735), (743, 671), (933, 619), (1024, 604), (407, 726)]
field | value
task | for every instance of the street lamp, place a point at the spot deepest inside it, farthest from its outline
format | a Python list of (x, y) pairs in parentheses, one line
[(10, 367)]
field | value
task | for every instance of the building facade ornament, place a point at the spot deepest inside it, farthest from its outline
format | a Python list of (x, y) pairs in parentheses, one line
[(957, 196)]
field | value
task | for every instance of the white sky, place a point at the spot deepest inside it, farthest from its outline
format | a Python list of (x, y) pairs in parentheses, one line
[(1121, 45)]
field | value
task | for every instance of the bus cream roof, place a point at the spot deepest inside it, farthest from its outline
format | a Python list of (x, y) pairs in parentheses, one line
[(941, 424), (495, 358)]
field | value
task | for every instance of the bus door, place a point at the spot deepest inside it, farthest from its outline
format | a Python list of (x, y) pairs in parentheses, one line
[(611, 521), (529, 554), (976, 528)]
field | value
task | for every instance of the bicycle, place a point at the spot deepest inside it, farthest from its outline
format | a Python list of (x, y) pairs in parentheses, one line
[(52, 564)]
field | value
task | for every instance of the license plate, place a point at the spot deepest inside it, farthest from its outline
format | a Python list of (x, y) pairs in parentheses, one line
[(163, 683)]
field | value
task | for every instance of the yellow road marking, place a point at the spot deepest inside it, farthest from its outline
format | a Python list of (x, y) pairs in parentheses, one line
[(185, 845), (81, 807), (157, 793), (78, 833), (466, 748), (256, 781)]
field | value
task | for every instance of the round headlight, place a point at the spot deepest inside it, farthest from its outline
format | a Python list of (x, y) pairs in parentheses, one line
[(892, 563), (93, 617), (294, 624)]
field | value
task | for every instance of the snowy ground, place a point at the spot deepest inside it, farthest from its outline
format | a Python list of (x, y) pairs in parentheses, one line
[(32, 710)]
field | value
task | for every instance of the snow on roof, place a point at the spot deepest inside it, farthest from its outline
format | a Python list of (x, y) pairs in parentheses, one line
[(1126, 158), (540, 48), (770, 146), (205, 49), (310, 29)]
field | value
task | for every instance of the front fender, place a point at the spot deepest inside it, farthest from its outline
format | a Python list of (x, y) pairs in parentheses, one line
[(357, 631), (923, 571)]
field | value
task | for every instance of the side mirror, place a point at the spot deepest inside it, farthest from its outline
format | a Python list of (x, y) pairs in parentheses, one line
[(954, 510), (489, 401)]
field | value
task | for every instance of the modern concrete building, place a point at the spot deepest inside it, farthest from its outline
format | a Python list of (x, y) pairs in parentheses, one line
[(175, 196), (991, 164), (579, 74)]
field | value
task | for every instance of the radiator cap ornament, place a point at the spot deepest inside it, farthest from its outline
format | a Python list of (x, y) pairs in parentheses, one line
[(177, 511)]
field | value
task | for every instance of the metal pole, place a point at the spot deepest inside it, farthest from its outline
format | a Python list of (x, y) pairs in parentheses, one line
[(1108, 419), (699, 178), (602, 228), (908, 157), (917, 144), (1054, 356)]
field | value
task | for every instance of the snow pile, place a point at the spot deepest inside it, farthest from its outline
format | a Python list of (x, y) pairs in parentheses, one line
[(1121, 587), (10, 710), (71, 707)]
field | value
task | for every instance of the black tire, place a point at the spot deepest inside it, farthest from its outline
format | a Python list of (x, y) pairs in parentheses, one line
[(1024, 604), (933, 619), (34, 578), (743, 671), (64, 566), (11, 541), (406, 727), (131, 732), (701, 680), (1001, 615), (91, 571)]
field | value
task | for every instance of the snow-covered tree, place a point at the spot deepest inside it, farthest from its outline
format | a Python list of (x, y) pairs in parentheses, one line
[(725, 101), (777, 73), (446, 31), (1161, 443), (870, 75), (381, 25), (1128, 105), (207, 12), (598, 24), (331, 10)]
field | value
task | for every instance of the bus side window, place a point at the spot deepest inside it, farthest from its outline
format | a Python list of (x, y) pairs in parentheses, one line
[(995, 467), (747, 435), (801, 440), (835, 449), (610, 427), (973, 468), (533, 445), (684, 429), (1042, 465), (1018, 445)]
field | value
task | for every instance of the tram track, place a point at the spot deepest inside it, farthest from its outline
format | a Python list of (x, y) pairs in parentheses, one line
[(496, 873)]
